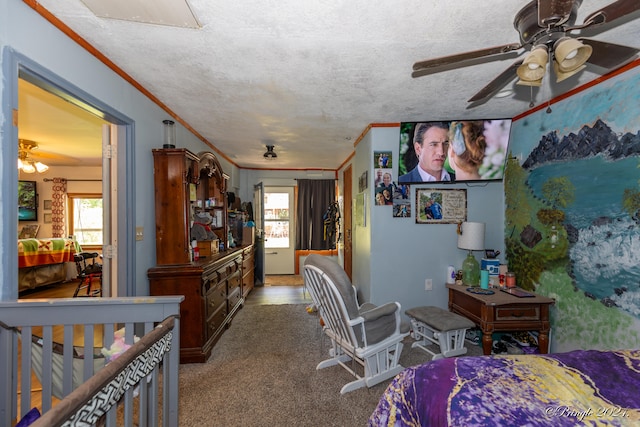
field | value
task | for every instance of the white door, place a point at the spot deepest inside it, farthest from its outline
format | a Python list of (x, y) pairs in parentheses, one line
[(279, 230)]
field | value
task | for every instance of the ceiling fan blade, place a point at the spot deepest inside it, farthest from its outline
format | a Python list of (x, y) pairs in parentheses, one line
[(496, 84), (616, 10), (609, 55), (443, 63), (552, 13)]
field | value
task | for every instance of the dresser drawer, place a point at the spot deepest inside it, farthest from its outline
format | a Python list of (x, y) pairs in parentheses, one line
[(215, 298), (233, 282), (524, 312), (232, 267), (234, 298), (216, 321)]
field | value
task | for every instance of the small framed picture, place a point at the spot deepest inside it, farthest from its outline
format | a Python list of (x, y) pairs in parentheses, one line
[(47, 205), (47, 218), (29, 231), (439, 206)]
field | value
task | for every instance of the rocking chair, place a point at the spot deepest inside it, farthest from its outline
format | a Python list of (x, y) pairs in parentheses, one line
[(89, 271), (367, 334)]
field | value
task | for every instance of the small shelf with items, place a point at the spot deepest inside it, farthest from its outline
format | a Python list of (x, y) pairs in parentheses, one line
[(211, 195)]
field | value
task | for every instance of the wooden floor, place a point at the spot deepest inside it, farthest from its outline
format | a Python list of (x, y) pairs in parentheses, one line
[(260, 295), (268, 295)]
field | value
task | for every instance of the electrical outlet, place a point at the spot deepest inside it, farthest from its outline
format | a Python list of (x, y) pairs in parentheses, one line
[(139, 233), (428, 284)]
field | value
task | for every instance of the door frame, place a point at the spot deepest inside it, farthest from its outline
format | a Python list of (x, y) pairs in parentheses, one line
[(18, 66), (258, 218), (347, 191)]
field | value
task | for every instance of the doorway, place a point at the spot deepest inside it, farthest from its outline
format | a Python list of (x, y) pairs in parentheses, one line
[(279, 226), (113, 128)]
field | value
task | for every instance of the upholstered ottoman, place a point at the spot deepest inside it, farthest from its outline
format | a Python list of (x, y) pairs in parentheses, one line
[(439, 327)]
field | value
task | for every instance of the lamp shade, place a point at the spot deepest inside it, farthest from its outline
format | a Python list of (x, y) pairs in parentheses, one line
[(570, 53), (471, 236), (561, 75), (534, 65)]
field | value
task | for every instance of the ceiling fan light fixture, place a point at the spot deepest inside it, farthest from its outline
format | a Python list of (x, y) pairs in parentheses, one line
[(270, 154), (26, 167), (563, 75), (571, 54), (40, 167), (535, 83), (25, 164), (534, 65)]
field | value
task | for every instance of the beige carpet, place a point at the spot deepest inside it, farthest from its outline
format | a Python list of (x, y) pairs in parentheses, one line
[(262, 372), (283, 280)]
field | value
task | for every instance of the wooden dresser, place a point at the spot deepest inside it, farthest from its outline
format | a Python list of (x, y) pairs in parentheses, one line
[(214, 287)]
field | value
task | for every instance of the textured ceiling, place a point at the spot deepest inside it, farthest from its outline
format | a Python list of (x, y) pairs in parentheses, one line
[(309, 76)]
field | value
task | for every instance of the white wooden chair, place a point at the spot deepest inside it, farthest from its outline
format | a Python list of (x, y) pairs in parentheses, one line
[(367, 334)]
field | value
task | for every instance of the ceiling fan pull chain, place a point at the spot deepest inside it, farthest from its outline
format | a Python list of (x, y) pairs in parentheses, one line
[(531, 104)]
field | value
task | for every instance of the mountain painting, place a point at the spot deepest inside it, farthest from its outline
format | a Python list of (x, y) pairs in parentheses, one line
[(572, 218)]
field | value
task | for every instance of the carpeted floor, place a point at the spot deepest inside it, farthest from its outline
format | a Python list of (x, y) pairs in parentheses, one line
[(262, 373)]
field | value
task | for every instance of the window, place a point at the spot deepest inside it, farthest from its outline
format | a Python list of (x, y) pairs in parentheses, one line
[(276, 220), (85, 218)]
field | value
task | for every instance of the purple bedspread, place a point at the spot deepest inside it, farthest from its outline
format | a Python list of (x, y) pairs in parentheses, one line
[(566, 389)]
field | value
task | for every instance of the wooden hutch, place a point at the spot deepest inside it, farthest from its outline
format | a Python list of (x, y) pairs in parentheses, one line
[(214, 286)]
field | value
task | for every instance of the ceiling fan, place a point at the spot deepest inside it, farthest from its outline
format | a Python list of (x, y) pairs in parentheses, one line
[(25, 161), (32, 159), (544, 27)]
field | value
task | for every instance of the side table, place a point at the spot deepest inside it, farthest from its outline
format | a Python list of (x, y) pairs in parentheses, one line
[(502, 312)]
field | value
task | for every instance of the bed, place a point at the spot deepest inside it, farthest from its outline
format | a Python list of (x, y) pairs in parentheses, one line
[(45, 261), (583, 387)]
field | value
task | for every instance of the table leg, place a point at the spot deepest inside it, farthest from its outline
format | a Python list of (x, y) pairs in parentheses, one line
[(487, 342), (543, 342)]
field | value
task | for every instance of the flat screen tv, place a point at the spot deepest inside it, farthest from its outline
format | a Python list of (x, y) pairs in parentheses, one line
[(27, 201), (453, 151)]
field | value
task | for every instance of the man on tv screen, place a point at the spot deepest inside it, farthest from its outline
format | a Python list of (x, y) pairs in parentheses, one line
[(430, 143)]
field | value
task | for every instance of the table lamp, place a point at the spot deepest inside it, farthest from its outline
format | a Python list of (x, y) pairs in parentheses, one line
[(471, 238)]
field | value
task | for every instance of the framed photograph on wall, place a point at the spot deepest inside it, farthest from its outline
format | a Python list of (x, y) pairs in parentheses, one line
[(382, 160), (440, 206), (363, 181), (29, 231), (47, 218), (46, 205), (359, 210)]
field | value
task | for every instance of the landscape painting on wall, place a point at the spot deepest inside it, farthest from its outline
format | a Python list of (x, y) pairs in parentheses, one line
[(572, 196)]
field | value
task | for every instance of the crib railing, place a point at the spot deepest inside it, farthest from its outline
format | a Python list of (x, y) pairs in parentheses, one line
[(39, 336)]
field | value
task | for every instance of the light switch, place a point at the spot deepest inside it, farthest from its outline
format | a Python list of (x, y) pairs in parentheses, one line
[(139, 233)]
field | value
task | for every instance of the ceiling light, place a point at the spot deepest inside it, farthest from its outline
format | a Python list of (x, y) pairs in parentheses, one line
[(270, 154), (533, 67), (561, 75), (25, 164), (571, 54)]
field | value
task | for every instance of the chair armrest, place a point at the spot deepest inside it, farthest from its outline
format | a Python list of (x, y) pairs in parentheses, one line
[(378, 324), (380, 311)]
